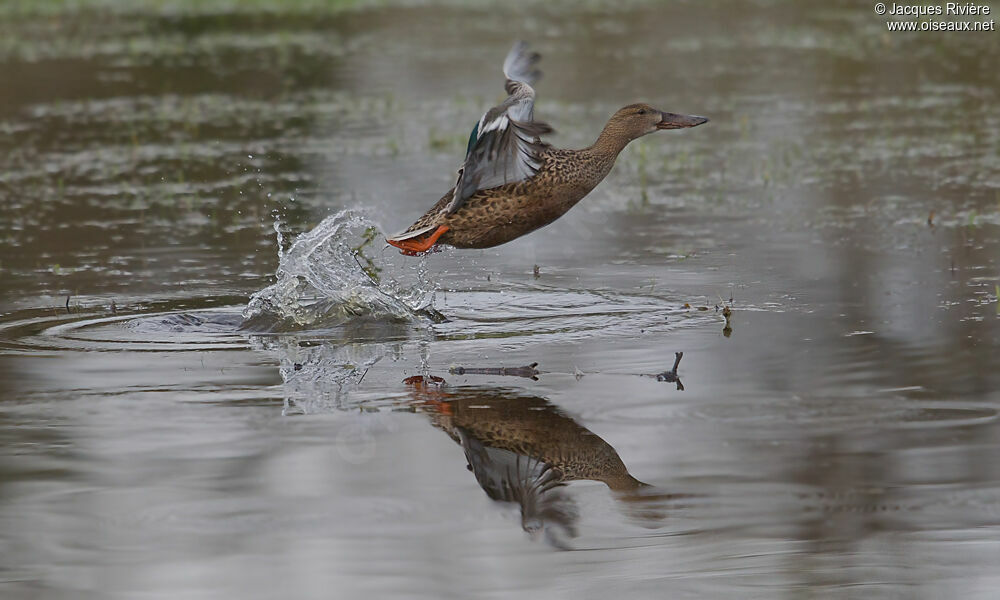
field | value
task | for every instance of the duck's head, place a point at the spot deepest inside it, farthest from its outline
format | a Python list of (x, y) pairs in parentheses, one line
[(636, 120)]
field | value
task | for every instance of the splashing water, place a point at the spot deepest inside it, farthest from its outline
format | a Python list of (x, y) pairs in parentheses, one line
[(322, 283), (323, 377)]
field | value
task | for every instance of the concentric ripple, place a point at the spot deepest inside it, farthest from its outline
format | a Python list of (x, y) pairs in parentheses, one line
[(518, 311), (789, 417), (214, 328), (521, 310)]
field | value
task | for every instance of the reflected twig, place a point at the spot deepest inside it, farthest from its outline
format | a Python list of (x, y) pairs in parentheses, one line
[(671, 375), (530, 372), (527, 371)]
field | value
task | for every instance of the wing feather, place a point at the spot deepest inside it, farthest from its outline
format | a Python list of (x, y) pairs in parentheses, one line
[(536, 486), (505, 147)]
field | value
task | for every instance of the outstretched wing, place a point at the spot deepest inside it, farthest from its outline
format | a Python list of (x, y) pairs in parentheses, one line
[(504, 146), (536, 486)]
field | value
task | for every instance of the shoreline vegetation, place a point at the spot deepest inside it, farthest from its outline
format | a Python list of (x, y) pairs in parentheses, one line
[(52, 8)]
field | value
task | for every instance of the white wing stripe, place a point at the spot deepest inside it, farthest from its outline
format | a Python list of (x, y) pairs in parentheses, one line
[(498, 123)]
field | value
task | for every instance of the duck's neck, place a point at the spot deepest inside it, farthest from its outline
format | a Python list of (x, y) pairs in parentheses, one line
[(609, 144), (623, 482)]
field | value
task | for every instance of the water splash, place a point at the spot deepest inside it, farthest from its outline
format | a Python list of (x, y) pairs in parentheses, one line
[(321, 378), (322, 282)]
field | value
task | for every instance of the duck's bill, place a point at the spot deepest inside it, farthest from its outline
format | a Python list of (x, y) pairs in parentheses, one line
[(674, 121)]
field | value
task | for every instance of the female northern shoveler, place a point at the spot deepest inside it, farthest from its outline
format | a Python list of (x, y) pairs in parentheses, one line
[(511, 182)]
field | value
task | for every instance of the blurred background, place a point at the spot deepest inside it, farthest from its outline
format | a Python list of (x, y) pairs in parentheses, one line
[(836, 436)]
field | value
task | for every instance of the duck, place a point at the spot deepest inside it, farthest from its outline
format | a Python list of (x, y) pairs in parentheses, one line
[(523, 450), (532, 428), (511, 182)]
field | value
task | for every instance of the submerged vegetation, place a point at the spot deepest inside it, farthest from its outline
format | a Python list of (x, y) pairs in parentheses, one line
[(370, 267)]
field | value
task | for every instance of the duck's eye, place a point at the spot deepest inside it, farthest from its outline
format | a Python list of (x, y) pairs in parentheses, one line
[(642, 111)]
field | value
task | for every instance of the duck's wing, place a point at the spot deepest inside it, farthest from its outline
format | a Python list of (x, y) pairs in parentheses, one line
[(536, 486), (504, 146)]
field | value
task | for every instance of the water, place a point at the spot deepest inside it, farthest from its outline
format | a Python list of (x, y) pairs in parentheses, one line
[(323, 280), (190, 407)]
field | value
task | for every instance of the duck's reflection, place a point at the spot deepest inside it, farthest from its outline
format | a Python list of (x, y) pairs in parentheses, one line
[(523, 449)]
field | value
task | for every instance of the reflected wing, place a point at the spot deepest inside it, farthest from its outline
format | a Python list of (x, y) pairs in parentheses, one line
[(504, 146), (506, 476)]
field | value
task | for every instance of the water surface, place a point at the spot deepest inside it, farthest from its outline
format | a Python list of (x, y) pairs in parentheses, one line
[(835, 437)]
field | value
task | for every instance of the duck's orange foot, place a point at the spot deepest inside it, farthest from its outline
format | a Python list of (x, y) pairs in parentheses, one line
[(429, 393), (419, 381), (442, 407), (419, 245)]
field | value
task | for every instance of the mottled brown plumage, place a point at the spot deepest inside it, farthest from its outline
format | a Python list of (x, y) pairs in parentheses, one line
[(496, 216), (523, 449), (533, 427), (511, 182)]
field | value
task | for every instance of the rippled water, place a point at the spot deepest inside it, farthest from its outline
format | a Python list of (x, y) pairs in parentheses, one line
[(216, 379)]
